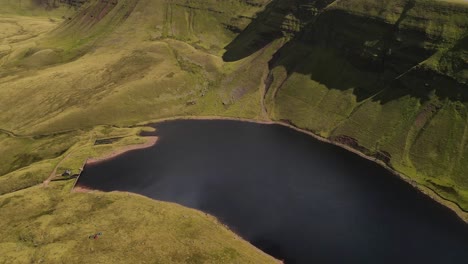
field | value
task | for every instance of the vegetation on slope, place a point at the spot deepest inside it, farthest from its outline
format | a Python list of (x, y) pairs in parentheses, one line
[(397, 90), (388, 78), (45, 8), (115, 64), (65, 83), (52, 225)]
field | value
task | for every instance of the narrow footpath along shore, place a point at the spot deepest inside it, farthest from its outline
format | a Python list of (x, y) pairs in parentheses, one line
[(453, 206)]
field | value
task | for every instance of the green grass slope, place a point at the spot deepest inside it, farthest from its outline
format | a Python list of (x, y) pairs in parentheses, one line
[(50, 8), (104, 65), (65, 83), (52, 226), (119, 65), (388, 78)]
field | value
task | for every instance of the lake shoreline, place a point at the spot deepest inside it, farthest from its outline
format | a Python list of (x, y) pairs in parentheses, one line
[(454, 207), (150, 141)]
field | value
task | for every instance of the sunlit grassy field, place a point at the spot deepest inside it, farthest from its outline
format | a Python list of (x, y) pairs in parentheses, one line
[(52, 225)]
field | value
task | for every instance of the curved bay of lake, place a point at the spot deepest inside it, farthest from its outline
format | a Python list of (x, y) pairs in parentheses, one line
[(290, 195)]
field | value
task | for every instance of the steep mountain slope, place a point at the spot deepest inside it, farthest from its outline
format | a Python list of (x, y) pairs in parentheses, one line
[(52, 226), (388, 78)]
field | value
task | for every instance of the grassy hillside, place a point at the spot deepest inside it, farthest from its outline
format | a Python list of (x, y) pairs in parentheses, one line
[(47, 8), (52, 226), (121, 65), (127, 56), (388, 78), (68, 79)]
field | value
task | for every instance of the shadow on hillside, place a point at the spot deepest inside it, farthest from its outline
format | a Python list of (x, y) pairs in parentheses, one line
[(264, 29), (271, 24), (344, 51), (386, 70)]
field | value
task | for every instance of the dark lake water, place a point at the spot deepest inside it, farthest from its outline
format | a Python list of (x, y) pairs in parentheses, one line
[(290, 195)]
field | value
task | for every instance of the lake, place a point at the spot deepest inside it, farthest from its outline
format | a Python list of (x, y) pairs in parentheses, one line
[(292, 196)]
